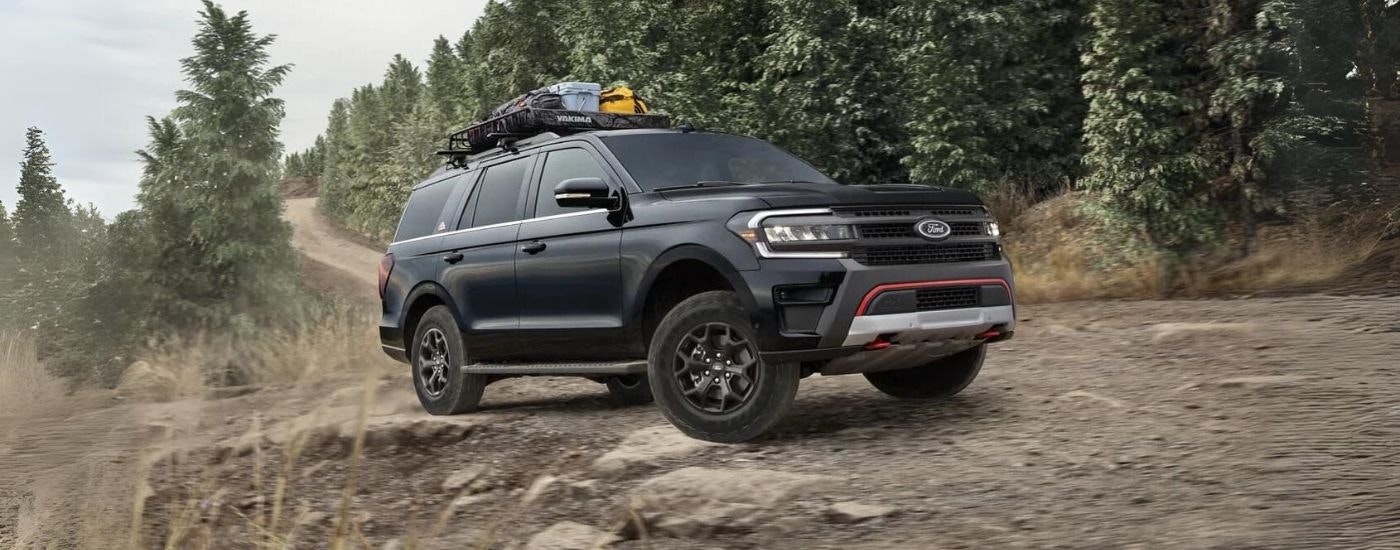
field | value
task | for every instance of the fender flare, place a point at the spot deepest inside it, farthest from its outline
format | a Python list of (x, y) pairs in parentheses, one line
[(426, 288), (687, 252)]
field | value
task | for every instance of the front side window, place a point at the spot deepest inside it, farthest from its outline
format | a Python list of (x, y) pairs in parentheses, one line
[(499, 194), (424, 209), (669, 160), (559, 166)]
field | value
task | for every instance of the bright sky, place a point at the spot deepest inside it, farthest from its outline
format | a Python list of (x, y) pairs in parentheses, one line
[(88, 72)]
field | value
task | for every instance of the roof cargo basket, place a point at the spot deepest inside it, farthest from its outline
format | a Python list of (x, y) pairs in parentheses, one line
[(528, 122)]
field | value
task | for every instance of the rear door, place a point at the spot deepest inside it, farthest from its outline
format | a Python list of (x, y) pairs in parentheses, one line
[(568, 265), (479, 261)]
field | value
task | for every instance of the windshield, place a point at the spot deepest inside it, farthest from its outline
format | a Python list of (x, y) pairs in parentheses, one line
[(670, 160)]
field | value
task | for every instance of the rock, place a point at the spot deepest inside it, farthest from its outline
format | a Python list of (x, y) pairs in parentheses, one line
[(693, 502), (1166, 333), (855, 512), (567, 535), (646, 446), (460, 478), (399, 431), (1256, 382)]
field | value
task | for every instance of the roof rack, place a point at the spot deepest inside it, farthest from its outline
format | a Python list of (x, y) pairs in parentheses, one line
[(505, 130)]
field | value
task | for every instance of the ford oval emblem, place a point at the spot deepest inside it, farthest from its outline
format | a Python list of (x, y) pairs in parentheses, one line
[(933, 229)]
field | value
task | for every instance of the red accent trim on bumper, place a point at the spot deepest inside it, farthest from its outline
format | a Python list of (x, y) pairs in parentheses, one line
[(870, 296)]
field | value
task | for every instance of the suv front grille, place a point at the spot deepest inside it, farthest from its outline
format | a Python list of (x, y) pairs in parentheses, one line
[(906, 230), (926, 254), (934, 299)]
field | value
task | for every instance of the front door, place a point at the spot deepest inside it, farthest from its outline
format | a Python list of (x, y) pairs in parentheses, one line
[(568, 267), (480, 262)]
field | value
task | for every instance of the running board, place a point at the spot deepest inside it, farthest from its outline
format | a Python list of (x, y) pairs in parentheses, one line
[(605, 368)]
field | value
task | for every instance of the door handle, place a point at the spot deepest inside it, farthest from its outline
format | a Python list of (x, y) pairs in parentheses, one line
[(533, 248), (453, 257)]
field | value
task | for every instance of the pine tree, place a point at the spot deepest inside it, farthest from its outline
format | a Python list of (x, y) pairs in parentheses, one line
[(42, 221), (1250, 57), (447, 85), (1332, 95), (1143, 79), (994, 93), (210, 190), (335, 166), (515, 50), (7, 234), (8, 265), (831, 86)]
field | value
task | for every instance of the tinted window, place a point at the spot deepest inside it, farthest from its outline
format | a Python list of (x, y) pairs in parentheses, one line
[(559, 166), (666, 160), (499, 194), (420, 217)]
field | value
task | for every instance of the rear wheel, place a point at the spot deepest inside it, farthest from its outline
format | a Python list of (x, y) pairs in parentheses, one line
[(629, 389), (438, 357), (707, 375), (937, 380)]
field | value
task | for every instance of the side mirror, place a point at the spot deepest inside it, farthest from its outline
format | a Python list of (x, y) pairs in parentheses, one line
[(585, 192)]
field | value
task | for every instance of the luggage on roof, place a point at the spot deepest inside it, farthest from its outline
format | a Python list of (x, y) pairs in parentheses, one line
[(542, 98), (621, 99), (529, 121), (578, 96), (563, 108)]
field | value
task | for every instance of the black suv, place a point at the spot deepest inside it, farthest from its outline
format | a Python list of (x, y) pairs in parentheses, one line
[(708, 271)]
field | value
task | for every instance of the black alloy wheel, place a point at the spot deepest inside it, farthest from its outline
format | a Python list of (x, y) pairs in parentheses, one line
[(434, 360), (716, 368), (708, 376)]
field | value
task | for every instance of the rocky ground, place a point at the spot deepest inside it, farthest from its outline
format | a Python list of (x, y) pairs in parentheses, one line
[(1202, 424), (1232, 423)]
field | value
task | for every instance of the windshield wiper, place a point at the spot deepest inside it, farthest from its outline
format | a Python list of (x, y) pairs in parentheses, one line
[(700, 184)]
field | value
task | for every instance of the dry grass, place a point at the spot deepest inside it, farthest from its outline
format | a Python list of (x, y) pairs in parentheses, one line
[(1323, 243), (1060, 254), (338, 343), (25, 385)]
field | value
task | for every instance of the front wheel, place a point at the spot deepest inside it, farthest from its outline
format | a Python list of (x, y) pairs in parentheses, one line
[(707, 376), (937, 380)]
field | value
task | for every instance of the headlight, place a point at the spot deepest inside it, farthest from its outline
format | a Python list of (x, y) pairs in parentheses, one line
[(993, 229), (777, 232)]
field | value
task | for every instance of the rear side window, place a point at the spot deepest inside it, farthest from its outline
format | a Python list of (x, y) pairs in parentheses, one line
[(499, 196), (559, 166), (420, 217)]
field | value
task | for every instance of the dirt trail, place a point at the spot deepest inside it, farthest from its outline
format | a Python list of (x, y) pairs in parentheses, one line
[(322, 243), (1260, 423), (1256, 423)]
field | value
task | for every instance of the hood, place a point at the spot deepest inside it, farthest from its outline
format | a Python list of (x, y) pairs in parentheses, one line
[(794, 195)]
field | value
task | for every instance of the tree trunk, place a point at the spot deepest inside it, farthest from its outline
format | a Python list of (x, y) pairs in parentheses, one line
[(1244, 182)]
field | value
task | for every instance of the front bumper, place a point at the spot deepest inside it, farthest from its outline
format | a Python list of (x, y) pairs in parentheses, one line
[(852, 316)]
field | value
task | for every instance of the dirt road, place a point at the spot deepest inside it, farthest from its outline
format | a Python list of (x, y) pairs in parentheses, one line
[(324, 244), (1208, 424), (1199, 424), (1253, 423)]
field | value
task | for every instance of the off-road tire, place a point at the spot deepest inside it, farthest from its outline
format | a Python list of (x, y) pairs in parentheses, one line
[(937, 380), (769, 394), (462, 392), (632, 389)]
